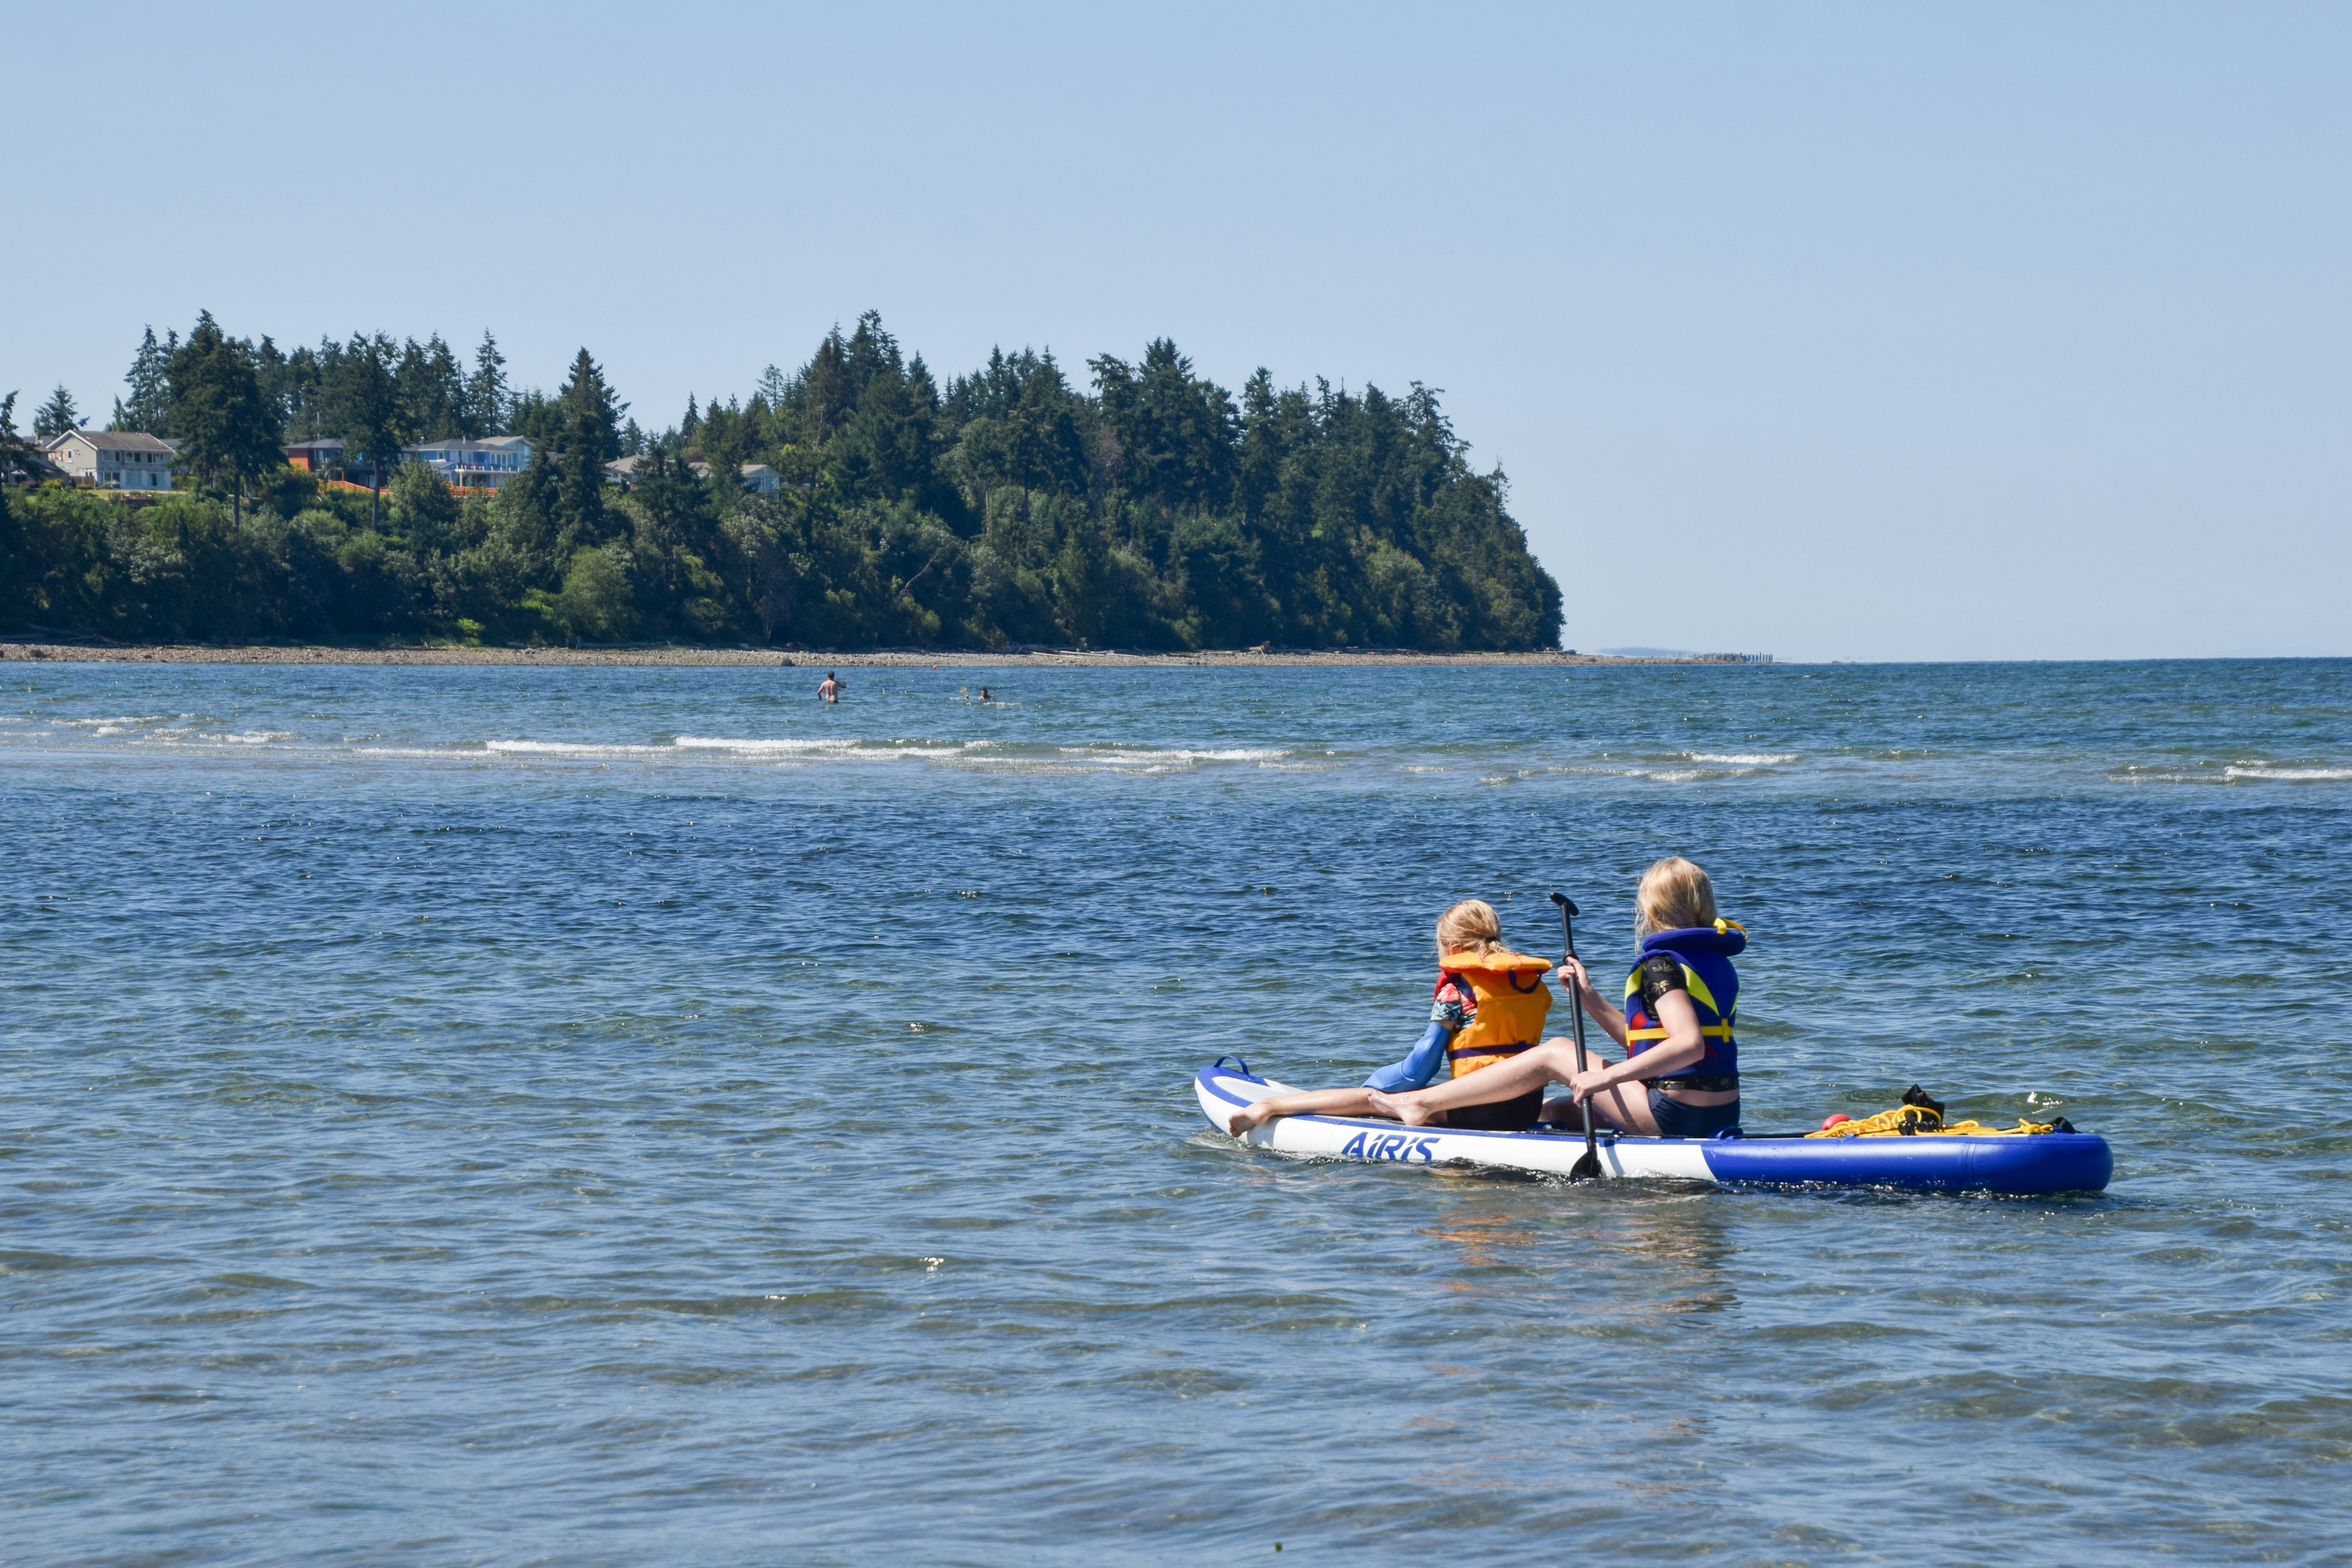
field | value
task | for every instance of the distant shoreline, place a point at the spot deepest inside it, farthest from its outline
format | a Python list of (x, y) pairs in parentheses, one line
[(21, 650)]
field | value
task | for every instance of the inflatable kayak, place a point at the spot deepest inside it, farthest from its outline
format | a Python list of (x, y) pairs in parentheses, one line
[(2039, 1162)]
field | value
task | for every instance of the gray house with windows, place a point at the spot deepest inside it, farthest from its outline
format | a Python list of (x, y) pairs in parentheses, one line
[(112, 459)]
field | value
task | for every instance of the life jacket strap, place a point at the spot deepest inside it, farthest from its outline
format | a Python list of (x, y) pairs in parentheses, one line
[(1707, 1031), (1453, 1055)]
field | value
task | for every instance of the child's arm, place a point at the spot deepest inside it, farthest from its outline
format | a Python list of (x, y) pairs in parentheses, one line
[(1417, 1069)]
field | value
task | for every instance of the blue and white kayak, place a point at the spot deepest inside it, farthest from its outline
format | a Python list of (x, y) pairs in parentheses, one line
[(2040, 1162)]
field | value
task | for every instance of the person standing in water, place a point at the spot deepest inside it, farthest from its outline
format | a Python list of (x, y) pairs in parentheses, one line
[(1490, 1005), (1680, 1075), (830, 691)]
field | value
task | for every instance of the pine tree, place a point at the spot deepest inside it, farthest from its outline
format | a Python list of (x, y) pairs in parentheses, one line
[(279, 386), (592, 416), (55, 417), (227, 435), (486, 407), (589, 437), (149, 406), (364, 403)]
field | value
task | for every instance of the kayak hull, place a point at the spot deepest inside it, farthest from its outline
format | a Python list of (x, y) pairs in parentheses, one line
[(2031, 1165)]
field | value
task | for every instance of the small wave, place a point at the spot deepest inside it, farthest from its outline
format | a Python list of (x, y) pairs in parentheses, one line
[(2250, 772), (251, 737), (1677, 776), (1140, 756), (571, 749), (430, 753), (860, 749), (1744, 759), (758, 748), (746, 747)]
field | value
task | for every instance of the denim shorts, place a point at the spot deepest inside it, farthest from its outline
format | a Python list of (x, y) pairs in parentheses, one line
[(1676, 1120)]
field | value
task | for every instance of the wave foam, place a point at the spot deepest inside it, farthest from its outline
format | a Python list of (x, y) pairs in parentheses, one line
[(1146, 756), (1744, 759), (570, 749), (2236, 772), (861, 750)]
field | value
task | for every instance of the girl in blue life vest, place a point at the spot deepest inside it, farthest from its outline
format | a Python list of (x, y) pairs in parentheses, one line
[(1680, 1075), (1490, 1006)]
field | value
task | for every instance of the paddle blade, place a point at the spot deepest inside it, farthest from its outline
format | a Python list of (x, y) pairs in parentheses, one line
[(1587, 1167)]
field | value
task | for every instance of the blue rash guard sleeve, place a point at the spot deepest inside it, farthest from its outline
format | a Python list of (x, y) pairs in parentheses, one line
[(1419, 1067)]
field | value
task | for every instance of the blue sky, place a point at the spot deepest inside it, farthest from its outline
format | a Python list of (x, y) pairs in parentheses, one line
[(1833, 331)]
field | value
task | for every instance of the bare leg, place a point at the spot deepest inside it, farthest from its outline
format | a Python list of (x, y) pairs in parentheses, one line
[(1626, 1107), (1321, 1101), (1554, 1061)]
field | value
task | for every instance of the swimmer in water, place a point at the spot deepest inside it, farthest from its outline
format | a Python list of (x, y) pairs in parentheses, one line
[(830, 691)]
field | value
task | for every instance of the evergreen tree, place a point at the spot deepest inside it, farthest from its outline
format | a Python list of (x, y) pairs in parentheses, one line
[(227, 435), (486, 404), (592, 415), (55, 417), (275, 372), (587, 436), (431, 391), (149, 406), (365, 411)]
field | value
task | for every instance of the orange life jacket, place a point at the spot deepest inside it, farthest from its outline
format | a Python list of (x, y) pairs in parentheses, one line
[(1512, 1001)]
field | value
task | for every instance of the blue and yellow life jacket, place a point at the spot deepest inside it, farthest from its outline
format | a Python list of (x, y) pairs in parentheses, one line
[(1705, 954)]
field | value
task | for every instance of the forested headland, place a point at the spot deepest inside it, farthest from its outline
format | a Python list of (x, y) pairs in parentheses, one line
[(1150, 510)]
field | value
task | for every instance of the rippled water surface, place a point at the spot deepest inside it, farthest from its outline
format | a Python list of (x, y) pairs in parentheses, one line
[(638, 1116)]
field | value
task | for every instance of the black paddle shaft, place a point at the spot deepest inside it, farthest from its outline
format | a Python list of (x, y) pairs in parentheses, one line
[(1588, 1165)]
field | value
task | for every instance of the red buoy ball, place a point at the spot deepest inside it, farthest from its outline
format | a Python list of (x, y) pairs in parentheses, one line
[(1832, 1119)]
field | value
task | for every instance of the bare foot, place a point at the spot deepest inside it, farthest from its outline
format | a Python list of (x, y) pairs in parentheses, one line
[(1247, 1117), (1401, 1107)]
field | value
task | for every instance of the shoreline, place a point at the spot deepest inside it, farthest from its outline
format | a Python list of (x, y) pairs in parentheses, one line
[(27, 650)]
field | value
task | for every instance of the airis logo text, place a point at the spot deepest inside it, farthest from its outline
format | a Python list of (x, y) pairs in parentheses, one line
[(1403, 1147)]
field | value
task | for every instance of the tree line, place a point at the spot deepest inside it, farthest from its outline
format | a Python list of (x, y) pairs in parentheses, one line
[(1149, 509)]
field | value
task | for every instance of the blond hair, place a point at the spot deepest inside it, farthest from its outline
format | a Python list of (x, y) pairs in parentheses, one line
[(1471, 926), (1674, 895)]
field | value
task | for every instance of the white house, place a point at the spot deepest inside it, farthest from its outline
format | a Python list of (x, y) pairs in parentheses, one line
[(484, 465), (112, 459)]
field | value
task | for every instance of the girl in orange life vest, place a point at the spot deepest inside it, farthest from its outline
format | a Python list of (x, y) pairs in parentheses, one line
[(1490, 1005), (1680, 1077)]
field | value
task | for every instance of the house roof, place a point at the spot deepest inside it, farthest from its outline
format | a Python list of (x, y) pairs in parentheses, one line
[(327, 444), (31, 465), (110, 441), (486, 444)]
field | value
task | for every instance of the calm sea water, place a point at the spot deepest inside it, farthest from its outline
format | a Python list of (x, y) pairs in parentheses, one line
[(615, 1117)]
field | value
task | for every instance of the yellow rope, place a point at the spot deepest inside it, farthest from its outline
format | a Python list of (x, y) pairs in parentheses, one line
[(1920, 1122)]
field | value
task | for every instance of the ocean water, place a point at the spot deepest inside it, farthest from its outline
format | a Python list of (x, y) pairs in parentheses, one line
[(583, 1116)]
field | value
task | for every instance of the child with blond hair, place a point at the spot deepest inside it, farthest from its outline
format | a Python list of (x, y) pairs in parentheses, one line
[(1489, 1006)]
